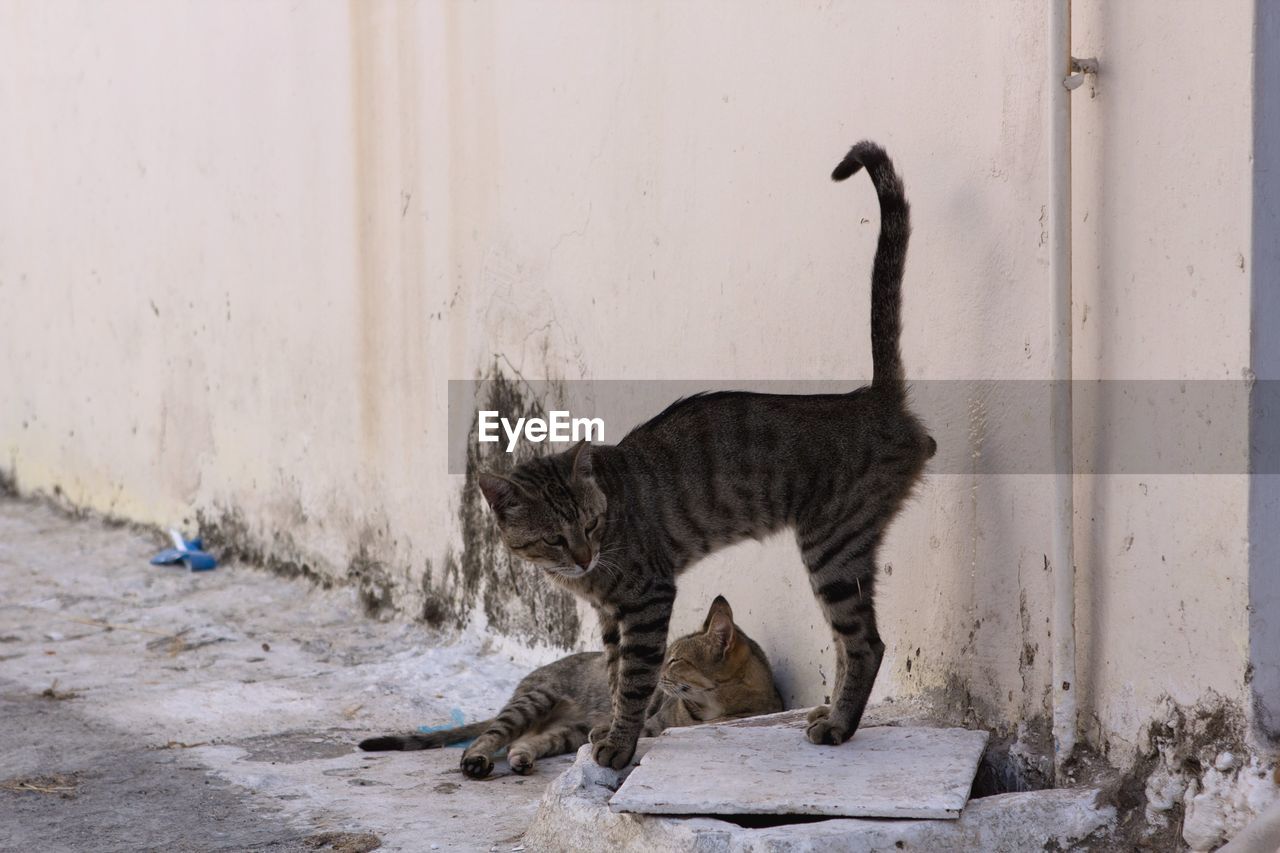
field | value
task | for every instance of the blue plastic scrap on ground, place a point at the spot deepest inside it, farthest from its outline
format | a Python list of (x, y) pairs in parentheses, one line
[(458, 720), (188, 551)]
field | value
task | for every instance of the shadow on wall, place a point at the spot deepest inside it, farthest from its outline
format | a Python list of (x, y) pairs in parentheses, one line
[(1264, 489)]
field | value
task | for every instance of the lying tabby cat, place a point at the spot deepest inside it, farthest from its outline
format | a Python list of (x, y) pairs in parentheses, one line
[(617, 524), (714, 673)]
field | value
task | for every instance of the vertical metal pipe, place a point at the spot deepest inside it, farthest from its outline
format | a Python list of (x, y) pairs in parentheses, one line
[(1061, 558)]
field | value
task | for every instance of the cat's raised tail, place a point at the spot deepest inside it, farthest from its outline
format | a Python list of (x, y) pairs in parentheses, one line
[(890, 261), (430, 740)]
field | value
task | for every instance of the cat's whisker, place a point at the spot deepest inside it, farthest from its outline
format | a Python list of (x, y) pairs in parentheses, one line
[(609, 568)]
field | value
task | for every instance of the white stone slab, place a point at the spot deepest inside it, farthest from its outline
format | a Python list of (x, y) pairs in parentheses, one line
[(574, 815), (765, 765)]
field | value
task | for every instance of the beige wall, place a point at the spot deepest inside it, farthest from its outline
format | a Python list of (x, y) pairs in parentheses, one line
[(243, 248), (1163, 290)]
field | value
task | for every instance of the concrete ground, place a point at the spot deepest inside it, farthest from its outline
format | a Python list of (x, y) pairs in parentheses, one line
[(151, 708)]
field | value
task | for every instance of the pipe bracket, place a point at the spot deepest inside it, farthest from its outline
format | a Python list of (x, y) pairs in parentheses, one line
[(1080, 67)]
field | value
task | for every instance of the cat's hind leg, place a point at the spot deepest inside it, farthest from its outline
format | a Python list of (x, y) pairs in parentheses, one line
[(555, 739), (526, 710), (840, 559)]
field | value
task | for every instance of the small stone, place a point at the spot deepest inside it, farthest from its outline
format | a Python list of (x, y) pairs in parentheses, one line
[(1203, 826), (1224, 762)]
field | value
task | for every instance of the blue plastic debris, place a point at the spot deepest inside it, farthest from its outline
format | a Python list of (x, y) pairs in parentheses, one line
[(458, 720), (188, 551)]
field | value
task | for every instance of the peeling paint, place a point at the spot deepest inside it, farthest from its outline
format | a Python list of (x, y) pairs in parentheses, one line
[(1194, 781)]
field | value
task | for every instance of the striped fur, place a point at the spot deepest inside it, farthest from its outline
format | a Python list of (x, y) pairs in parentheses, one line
[(617, 524), (713, 673)]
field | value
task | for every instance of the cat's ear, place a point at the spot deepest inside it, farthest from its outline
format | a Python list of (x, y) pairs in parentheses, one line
[(499, 492), (580, 455), (719, 625)]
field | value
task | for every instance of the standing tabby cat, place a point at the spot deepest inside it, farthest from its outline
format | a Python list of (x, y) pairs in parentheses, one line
[(718, 672), (616, 524)]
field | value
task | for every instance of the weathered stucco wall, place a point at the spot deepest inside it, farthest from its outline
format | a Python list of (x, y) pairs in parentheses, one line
[(243, 248), (1163, 235)]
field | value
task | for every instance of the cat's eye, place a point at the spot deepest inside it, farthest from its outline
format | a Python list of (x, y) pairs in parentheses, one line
[(592, 525), (555, 541)]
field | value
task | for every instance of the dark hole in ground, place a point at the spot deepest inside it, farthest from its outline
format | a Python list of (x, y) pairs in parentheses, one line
[(763, 821), (1002, 772)]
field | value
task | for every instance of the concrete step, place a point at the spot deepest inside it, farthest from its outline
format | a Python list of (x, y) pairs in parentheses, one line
[(575, 814)]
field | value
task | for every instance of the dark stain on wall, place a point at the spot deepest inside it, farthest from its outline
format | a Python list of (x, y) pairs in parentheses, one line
[(442, 596), (1019, 755), (369, 576), (437, 610), (227, 534), (515, 598)]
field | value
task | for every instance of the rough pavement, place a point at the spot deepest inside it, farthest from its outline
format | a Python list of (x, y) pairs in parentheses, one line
[(151, 708)]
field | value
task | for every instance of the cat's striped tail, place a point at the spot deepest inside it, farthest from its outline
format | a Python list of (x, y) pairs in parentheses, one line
[(890, 261), (430, 740)]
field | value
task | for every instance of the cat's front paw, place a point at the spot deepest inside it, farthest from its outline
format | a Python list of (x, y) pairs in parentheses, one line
[(824, 731), (599, 733), (521, 762), (614, 752), (476, 766)]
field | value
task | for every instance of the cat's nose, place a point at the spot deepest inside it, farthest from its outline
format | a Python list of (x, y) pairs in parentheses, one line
[(582, 557)]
